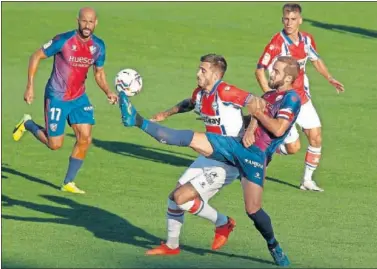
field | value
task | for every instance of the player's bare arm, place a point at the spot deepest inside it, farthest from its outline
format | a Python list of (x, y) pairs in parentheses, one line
[(249, 138), (184, 106), (261, 78), (32, 70), (276, 126), (322, 69), (100, 77)]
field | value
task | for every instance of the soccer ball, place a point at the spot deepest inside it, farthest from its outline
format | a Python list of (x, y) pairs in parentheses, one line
[(129, 81)]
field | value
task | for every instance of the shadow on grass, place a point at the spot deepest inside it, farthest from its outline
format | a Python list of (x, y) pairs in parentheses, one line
[(343, 28), (103, 224)]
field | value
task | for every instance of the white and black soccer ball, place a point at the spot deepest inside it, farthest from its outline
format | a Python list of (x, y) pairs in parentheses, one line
[(129, 81)]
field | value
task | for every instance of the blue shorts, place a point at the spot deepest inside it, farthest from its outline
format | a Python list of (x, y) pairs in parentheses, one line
[(250, 161), (58, 112)]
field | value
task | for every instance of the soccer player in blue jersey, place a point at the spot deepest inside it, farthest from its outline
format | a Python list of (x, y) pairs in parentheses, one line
[(275, 112), (65, 96)]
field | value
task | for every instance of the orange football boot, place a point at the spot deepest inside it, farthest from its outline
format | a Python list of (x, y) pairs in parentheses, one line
[(222, 234), (164, 250)]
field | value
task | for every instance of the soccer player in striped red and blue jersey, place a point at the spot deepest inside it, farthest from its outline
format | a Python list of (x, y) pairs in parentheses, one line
[(65, 98), (219, 105), (300, 45), (275, 113)]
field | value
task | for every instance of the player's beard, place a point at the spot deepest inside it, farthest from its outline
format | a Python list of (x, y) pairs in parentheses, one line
[(83, 34), (202, 83), (275, 84)]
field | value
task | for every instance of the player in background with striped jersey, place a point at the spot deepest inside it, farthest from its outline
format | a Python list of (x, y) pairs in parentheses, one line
[(300, 45), (65, 94)]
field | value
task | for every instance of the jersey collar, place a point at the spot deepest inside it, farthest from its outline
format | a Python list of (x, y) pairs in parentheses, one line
[(287, 38), (82, 40), (215, 87)]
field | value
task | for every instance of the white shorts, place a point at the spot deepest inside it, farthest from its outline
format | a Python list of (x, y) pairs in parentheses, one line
[(307, 119), (208, 176)]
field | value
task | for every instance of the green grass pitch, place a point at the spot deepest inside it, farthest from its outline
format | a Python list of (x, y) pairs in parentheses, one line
[(127, 175)]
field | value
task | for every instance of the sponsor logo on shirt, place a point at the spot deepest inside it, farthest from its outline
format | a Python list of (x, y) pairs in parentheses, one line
[(80, 61), (45, 46), (215, 121)]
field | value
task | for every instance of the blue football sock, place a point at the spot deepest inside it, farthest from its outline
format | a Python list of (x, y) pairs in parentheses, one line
[(32, 127), (166, 135), (263, 224), (73, 167)]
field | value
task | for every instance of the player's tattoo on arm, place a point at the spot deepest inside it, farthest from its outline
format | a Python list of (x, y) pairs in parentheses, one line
[(185, 106)]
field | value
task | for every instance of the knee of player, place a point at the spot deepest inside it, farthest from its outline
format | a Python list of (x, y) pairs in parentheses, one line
[(252, 209), (294, 147), (178, 198), (316, 140), (85, 140), (55, 145)]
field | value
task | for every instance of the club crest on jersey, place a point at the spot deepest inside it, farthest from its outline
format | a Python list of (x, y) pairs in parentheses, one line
[(92, 49), (53, 127), (74, 48)]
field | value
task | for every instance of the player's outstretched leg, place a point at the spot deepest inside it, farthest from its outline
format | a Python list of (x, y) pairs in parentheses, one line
[(253, 200), (130, 117)]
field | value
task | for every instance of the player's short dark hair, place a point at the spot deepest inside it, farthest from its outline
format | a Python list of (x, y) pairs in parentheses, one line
[(292, 7), (292, 66), (217, 61)]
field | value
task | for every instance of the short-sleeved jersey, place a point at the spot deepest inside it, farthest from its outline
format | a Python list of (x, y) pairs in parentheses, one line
[(220, 108), (72, 59), (282, 45), (284, 105)]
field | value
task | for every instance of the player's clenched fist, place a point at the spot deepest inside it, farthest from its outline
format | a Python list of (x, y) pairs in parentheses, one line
[(29, 94), (159, 116), (256, 104)]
